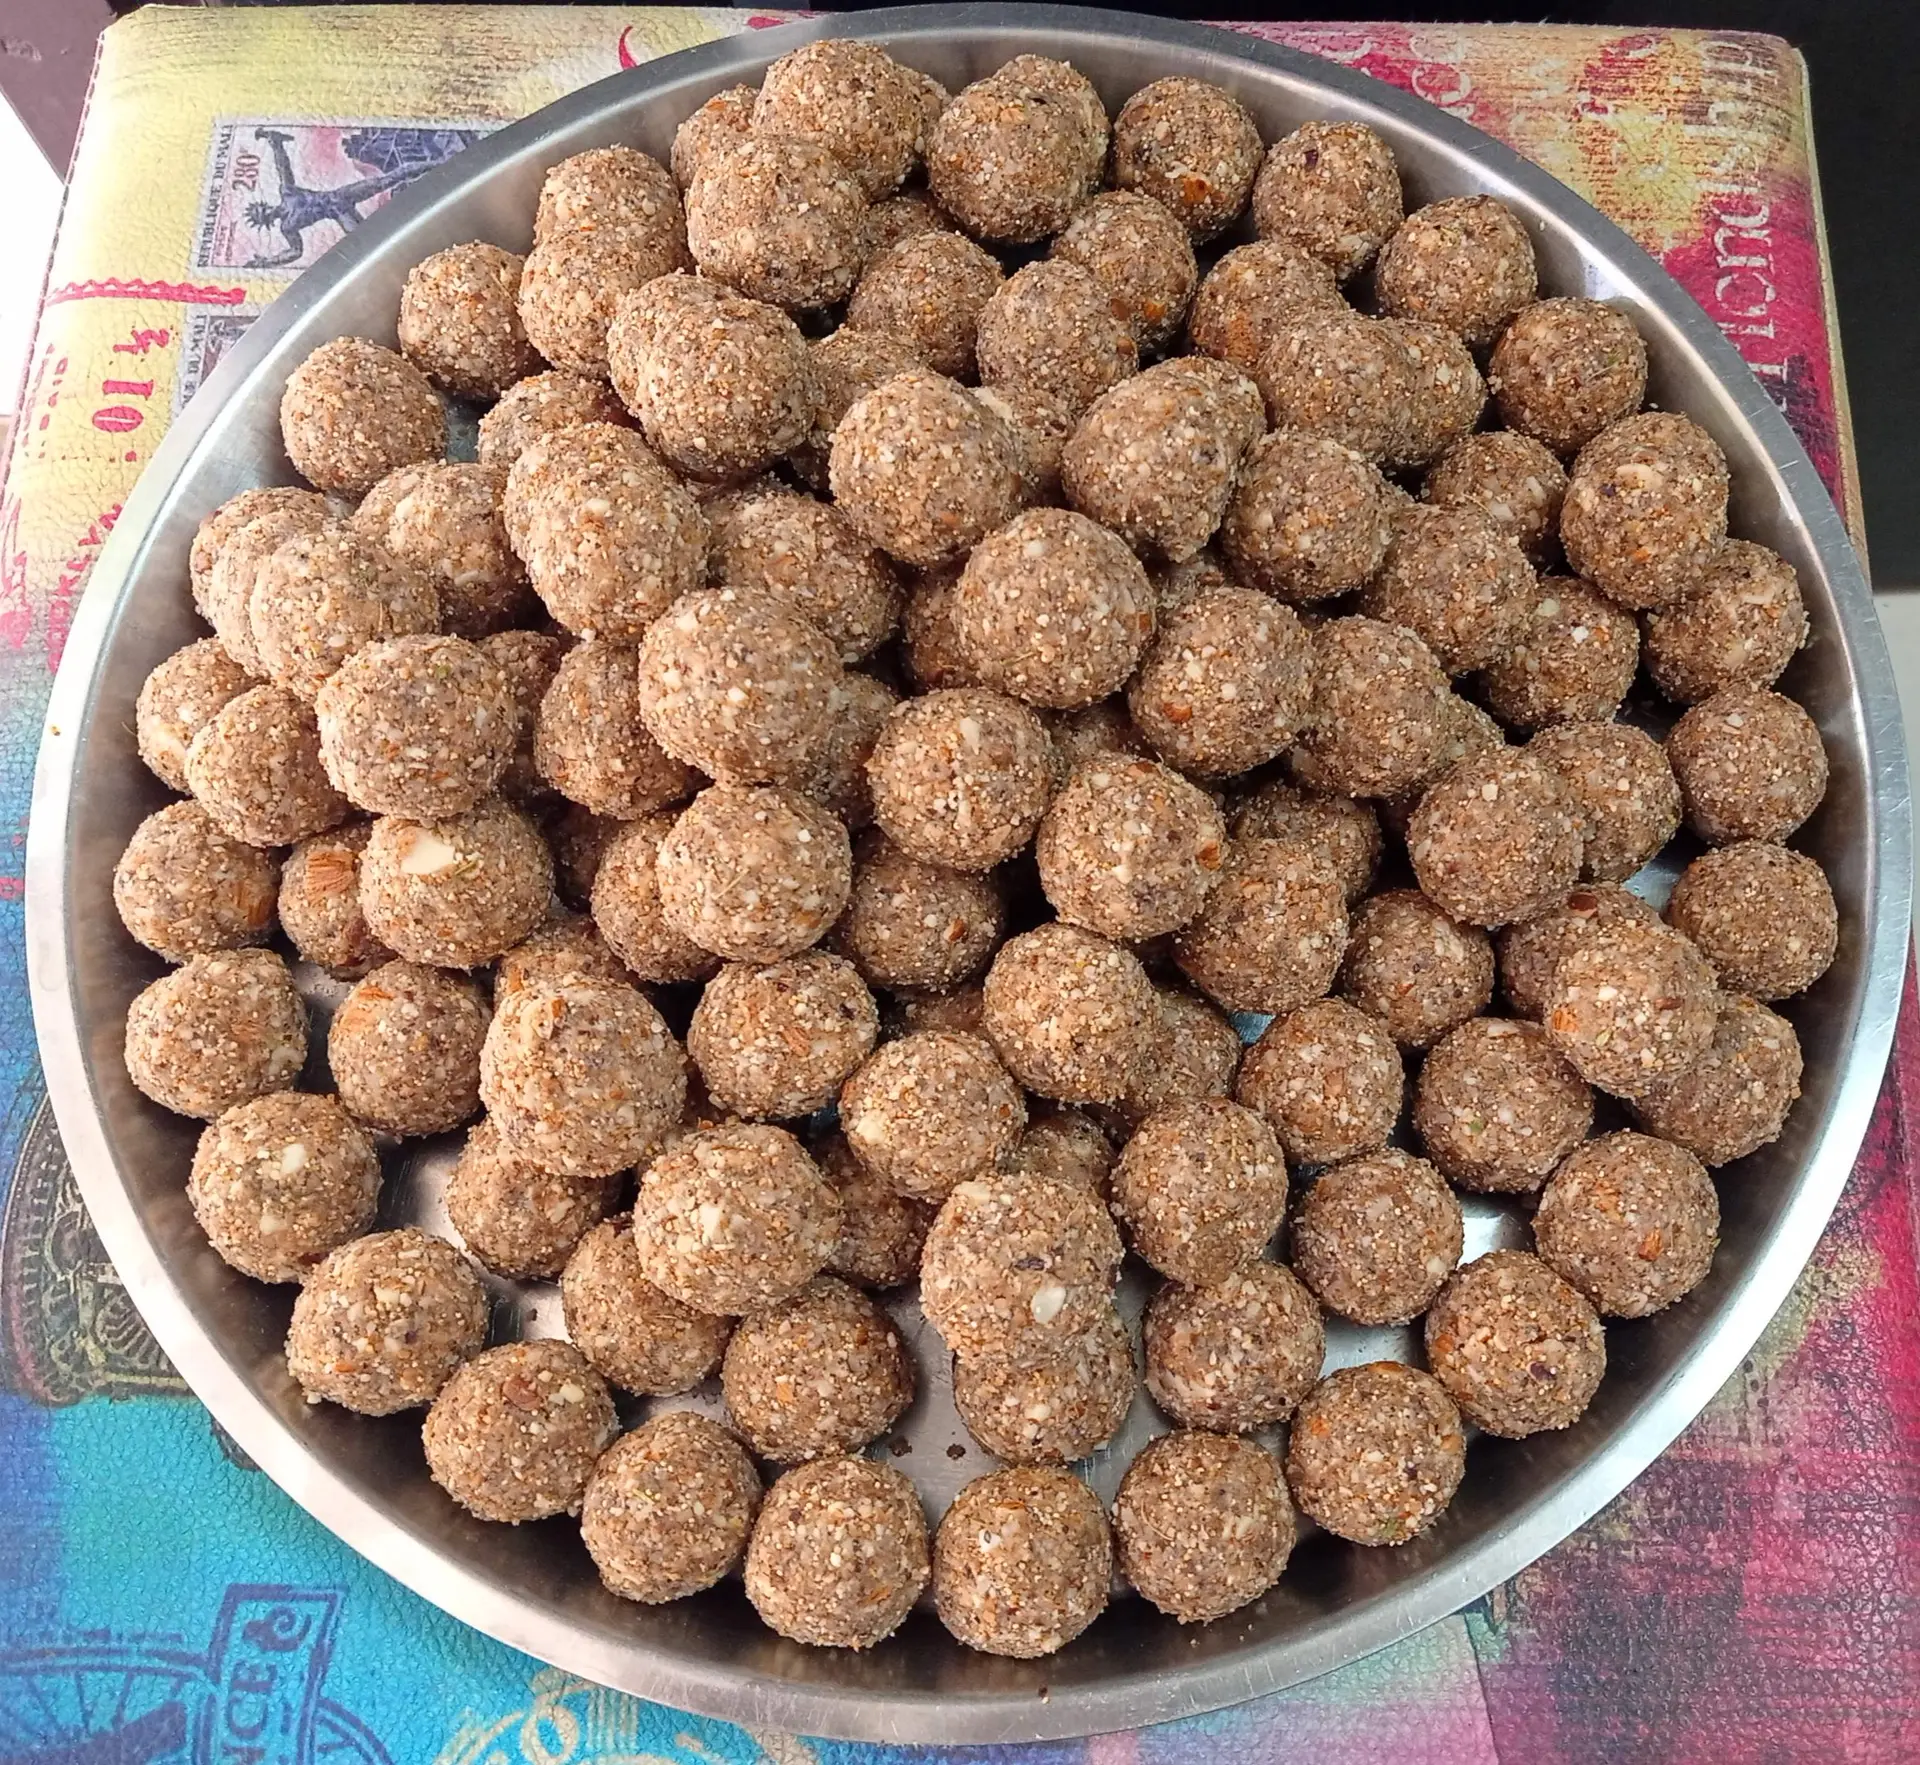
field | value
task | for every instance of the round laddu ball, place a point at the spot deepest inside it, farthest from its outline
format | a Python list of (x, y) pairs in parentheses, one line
[(352, 412), (1735, 1098), (1632, 1005), (380, 1324), (1515, 1346), (1139, 252), (1253, 292), (780, 219), (605, 189), (824, 1373), (1018, 1267), (1227, 682), (1332, 189), (528, 661), (1309, 518), (1376, 1237), (178, 699), (456, 891), (563, 947), (404, 1049), (928, 291), (1464, 263), (958, 1010), (930, 1110), (1023, 1562), (1344, 828), (753, 873), (899, 217), (1497, 1107), (1194, 1055), (447, 525), (514, 1219), (1739, 628), (1565, 369), (1529, 952), (610, 538), (1623, 791), (1061, 1141), (1010, 162), (861, 707), (1200, 1188), (581, 1079), (590, 744), (1763, 916), (1573, 660), (1468, 733), (924, 469), (852, 98), (183, 888), (1071, 1014), (1327, 1079), (515, 1433), (1054, 1411), (734, 1219), (540, 404), (1237, 1354), (1203, 1524), (1380, 708), (635, 1335), (1646, 509), (839, 1553), (929, 637), (1750, 763), (255, 768), (1040, 425), (280, 1181), (1052, 326), (625, 899), (846, 365), (573, 283), (1192, 147), (320, 903), (1272, 932), (722, 123), (228, 602), (460, 320), (1341, 375), (735, 682), (1102, 731), (580, 840), (778, 1042), (909, 924), (1376, 1453), (1511, 479), (1446, 392), (1457, 582), (1415, 970), (1498, 839), (961, 777), (1053, 609), (211, 537), (881, 1232), (668, 1509), (218, 1031)]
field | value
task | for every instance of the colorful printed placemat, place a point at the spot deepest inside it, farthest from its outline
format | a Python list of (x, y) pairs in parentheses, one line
[(1756, 1595)]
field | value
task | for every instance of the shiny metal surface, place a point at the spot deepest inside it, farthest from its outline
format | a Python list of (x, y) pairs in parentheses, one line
[(533, 1586)]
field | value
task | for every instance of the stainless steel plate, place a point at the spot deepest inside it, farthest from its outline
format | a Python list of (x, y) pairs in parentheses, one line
[(533, 1586)]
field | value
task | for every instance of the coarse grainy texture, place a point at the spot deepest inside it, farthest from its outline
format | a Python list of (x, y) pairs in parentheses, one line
[(1251, 294), (839, 1553), (1516, 1347), (589, 742), (228, 601), (1039, 424), (1341, 375), (1332, 189), (1327, 1079), (1012, 162), (563, 947), (352, 412), (1376, 1453), (1309, 519), (1272, 932), (1194, 1054), (572, 284), (1139, 252), (255, 768), (1054, 1411), (1572, 661), (1376, 1236), (1623, 792), (1497, 839), (460, 320), (404, 1049), (1103, 731), (1497, 1108), (929, 639), (1022, 1562), (928, 291), (881, 1231), (1062, 1141), (909, 924), (1345, 829), (723, 122), (610, 189), (1739, 628), (1763, 916), (1632, 1005), (184, 888), (218, 1031), (1530, 951), (280, 1181), (852, 98), (1734, 1099), (580, 840), (1453, 579), (732, 1219), (1052, 326), (778, 1042), (1646, 509), (861, 707), (779, 218), (823, 1373), (1191, 146), (1380, 705), (319, 903), (1071, 1014), (930, 1110), (211, 537), (1512, 479), (1564, 369), (528, 662), (538, 405), (1445, 394), (845, 366), (380, 1324), (903, 216), (1237, 1354), (625, 899), (1200, 1188), (515, 1219), (1464, 263), (456, 891), (178, 699), (1413, 969), (1631, 1222), (668, 1508), (446, 524), (1751, 766), (635, 1335)]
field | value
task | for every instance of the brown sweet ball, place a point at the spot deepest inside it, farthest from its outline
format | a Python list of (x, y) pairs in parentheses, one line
[(1415, 970), (445, 524), (1572, 662), (881, 1232), (1762, 915), (589, 742), (1565, 369), (753, 873), (1376, 1453), (1023, 1562), (1735, 1098), (1457, 582), (255, 768), (1750, 763), (625, 898), (777, 1042), (404, 1049), (1632, 1005), (1052, 327), (456, 891), (1464, 263), (931, 1110), (514, 1219), (669, 1508), (1191, 146), (1445, 391), (280, 1181), (1309, 519), (1623, 791), (909, 924), (1739, 628), (580, 840), (852, 98), (218, 1031), (460, 320), (1012, 162), (1054, 1411), (1236, 1355), (1252, 293), (1102, 731), (928, 291), (1332, 189), (319, 903), (1497, 1108), (839, 1554), (228, 601), (1272, 932), (900, 217), (573, 283), (179, 699), (1380, 709), (1139, 252), (846, 365), (1227, 682), (1195, 1054), (924, 469), (1646, 509), (183, 888), (1376, 1237), (537, 406), (778, 218), (380, 1324), (211, 537), (1327, 1079), (861, 707), (929, 641), (1529, 952), (733, 1219), (1200, 1188), (563, 947), (606, 189), (1071, 1014), (1498, 839), (1345, 829), (1341, 375), (1040, 425), (1511, 479), (722, 123), (352, 412), (634, 1335), (528, 662)]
